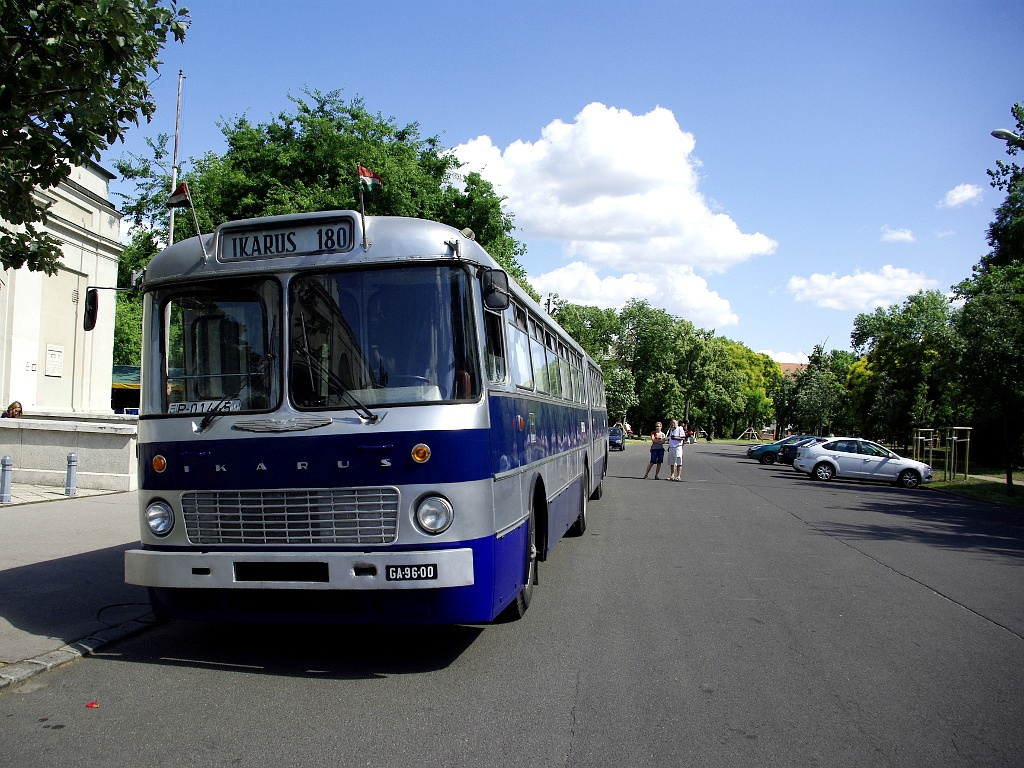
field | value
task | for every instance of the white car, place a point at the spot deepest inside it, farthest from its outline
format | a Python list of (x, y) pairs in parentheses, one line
[(852, 457)]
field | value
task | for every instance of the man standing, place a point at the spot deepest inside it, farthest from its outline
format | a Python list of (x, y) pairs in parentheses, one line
[(676, 438)]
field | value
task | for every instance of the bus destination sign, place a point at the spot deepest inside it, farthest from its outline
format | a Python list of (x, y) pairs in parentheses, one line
[(303, 238)]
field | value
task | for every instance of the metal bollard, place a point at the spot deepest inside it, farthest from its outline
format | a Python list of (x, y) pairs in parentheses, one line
[(70, 488), (5, 479)]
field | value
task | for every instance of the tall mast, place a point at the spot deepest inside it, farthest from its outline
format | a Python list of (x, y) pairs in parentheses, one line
[(174, 166)]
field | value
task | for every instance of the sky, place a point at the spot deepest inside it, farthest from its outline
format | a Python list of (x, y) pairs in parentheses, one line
[(768, 170)]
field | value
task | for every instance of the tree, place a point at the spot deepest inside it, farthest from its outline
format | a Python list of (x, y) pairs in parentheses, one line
[(659, 399), (645, 339), (306, 160), (620, 391), (758, 372), (1006, 233), (717, 387), (783, 394), (903, 345), (593, 329), (73, 77), (820, 395), (991, 324)]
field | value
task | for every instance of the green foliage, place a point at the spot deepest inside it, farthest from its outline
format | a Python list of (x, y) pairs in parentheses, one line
[(660, 398), (128, 309), (1006, 233), (146, 209), (128, 329), (903, 344), (659, 367), (820, 396), (991, 324), (620, 391), (305, 160), (593, 329), (645, 339), (73, 77)]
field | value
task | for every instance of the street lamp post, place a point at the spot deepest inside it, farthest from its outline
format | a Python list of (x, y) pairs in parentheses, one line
[(1009, 137)]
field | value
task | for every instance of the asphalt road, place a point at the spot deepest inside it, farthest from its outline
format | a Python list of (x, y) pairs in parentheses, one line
[(744, 617)]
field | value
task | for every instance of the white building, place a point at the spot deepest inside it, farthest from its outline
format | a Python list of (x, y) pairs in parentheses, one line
[(59, 373), (47, 362)]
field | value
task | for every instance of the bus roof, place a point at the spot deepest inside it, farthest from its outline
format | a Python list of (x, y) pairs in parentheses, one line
[(390, 239), (236, 246)]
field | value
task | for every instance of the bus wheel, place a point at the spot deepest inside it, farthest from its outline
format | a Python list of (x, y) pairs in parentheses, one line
[(598, 492), (517, 608), (578, 527)]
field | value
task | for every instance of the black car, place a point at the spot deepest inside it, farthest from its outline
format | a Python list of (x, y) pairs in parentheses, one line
[(788, 452), (616, 440)]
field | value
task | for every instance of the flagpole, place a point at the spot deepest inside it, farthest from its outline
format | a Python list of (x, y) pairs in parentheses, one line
[(362, 208), (174, 166)]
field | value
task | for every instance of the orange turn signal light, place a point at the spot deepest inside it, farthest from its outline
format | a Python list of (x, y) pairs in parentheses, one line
[(159, 463), (421, 453)]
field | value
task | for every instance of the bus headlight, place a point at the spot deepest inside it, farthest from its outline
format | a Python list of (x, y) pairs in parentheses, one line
[(434, 514), (159, 517)]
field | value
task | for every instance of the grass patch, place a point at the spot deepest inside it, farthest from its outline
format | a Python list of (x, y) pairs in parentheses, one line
[(982, 490)]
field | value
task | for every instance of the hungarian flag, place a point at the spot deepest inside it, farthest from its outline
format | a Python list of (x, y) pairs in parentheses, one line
[(179, 197), (369, 179)]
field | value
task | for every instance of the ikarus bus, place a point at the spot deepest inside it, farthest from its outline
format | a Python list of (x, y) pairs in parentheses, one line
[(354, 420)]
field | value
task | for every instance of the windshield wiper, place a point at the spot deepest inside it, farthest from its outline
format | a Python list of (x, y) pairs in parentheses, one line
[(224, 404), (312, 362)]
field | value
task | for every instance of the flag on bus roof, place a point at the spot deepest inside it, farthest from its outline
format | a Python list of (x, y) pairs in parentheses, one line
[(179, 196), (369, 180)]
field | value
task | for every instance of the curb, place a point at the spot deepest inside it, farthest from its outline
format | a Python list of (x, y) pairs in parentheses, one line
[(20, 671), (24, 502)]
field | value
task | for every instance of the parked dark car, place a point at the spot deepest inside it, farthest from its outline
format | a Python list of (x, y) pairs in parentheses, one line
[(767, 454), (788, 452), (616, 440)]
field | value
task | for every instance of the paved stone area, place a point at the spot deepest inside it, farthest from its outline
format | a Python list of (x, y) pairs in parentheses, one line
[(62, 571), (23, 493)]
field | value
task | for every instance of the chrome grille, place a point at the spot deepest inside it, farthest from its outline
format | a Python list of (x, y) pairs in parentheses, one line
[(344, 516)]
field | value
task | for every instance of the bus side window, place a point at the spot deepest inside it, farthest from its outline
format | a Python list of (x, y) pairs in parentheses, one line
[(519, 348), (495, 347)]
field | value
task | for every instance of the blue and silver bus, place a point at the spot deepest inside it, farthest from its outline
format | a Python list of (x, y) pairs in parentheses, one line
[(355, 420)]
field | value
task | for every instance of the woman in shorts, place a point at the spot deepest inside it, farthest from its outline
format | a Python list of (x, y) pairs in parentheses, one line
[(657, 451)]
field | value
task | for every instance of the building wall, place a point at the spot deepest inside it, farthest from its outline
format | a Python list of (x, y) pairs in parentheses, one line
[(47, 362)]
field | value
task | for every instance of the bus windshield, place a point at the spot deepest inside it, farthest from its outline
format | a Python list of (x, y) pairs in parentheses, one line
[(383, 336), (219, 346)]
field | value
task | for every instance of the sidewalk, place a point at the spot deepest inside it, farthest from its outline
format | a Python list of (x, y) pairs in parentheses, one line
[(62, 590)]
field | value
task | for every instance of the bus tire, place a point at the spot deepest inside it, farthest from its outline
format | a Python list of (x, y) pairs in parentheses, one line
[(580, 525), (598, 492), (517, 608)]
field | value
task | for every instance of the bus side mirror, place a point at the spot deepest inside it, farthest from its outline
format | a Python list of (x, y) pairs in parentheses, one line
[(92, 308), (494, 283)]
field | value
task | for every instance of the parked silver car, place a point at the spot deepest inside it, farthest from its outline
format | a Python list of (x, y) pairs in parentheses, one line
[(855, 458)]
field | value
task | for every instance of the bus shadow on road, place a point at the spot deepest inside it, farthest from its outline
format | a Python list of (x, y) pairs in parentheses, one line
[(329, 652)]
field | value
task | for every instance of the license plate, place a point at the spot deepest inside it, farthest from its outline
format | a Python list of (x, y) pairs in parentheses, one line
[(411, 572)]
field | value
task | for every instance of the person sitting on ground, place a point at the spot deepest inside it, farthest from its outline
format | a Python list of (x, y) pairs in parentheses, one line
[(13, 411)]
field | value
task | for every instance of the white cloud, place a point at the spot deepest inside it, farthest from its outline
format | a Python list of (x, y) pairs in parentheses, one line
[(785, 357), (860, 291), (681, 293), (619, 190), (896, 235), (960, 194)]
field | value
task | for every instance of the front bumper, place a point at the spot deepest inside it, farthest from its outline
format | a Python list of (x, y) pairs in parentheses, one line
[(298, 570)]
